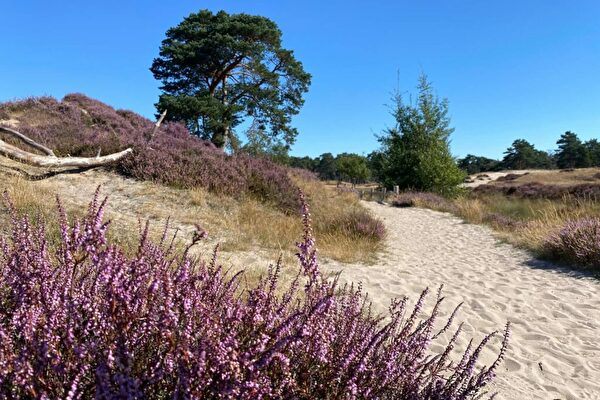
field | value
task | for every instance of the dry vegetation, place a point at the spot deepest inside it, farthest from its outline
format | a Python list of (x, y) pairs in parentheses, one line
[(238, 225), (527, 221), (249, 206)]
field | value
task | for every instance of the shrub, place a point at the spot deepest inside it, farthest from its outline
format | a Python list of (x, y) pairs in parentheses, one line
[(577, 241), (511, 177), (358, 223), (415, 153), (501, 221), (423, 199), (80, 126), (89, 321)]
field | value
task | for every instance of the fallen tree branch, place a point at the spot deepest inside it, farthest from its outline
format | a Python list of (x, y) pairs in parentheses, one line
[(27, 140), (50, 160), (157, 126)]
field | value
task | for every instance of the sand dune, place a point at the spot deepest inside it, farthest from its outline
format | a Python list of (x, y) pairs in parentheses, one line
[(555, 314)]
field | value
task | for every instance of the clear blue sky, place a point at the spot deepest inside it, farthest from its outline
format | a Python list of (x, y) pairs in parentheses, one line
[(510, 69)]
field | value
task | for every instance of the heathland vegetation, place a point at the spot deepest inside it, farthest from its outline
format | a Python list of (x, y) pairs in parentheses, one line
[(141, 314), (88, 311), (555, 214)]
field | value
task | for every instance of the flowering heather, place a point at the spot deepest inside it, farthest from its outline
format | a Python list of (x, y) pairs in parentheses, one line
[(358, 223), (84, 320), (80, 126), (577, 241)]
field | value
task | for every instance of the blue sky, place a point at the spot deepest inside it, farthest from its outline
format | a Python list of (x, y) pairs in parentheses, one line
[(510, 69)]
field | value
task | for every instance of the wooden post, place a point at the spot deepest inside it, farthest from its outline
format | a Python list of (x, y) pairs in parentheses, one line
[(396, 189), (383, 191)]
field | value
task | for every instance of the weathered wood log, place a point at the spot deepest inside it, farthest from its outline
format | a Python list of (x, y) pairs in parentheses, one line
[(27, 140), (50, 160), (156, 126)]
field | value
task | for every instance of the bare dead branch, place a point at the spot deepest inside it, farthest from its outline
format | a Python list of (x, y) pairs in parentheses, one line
[(157, 126), (27, 140), (53, 161)]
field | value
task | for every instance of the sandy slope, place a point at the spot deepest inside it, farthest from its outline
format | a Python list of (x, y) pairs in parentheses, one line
[(555, 347), (488, 177)]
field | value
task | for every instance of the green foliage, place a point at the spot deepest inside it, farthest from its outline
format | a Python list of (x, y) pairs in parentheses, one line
[(303, 162), (571, 152), (376, 162), (593, 149), (260, 144), (474, 164), (522, 155), (352, 167), (326, 166), (415, 153), (219, 69)]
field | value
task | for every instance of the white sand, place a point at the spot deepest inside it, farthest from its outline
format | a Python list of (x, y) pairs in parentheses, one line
[(483, 178), (555, 314)]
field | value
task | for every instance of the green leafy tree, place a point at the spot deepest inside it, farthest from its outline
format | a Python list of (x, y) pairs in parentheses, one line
[(352, 167), (416, 151), (593, 149), (522, 155), (326, 167), (261, 145), (376, 161), (571, 152), (303, 162), (219, 69), (474, 164)]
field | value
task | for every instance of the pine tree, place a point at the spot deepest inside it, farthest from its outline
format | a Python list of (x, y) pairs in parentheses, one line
[(416, 151)]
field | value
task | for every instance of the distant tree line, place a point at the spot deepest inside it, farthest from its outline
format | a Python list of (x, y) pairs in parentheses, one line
[(349, 167), (571, 153)]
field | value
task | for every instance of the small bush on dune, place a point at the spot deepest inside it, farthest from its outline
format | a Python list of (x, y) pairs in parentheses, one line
[(80, 126), (89, 321), (358, 223), (423, 199), (511, 177), (578, 241)]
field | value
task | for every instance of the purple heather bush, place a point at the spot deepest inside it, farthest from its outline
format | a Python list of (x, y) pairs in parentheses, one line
[(84, 320), (80, 126), (358, 224), (578, 241)]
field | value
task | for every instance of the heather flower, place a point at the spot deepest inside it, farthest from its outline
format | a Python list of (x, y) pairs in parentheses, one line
[(577, 241), (85, 320)]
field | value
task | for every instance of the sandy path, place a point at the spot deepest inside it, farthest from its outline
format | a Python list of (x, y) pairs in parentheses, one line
[(555, 315)]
